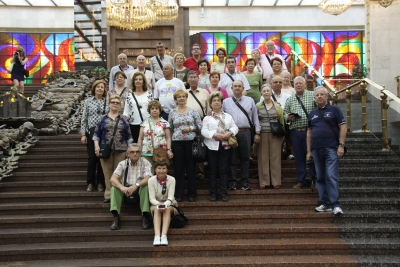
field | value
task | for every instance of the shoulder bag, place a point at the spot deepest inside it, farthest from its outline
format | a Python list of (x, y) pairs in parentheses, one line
[(157, 152), (105, 149), (133, 199), (252, 126), (199, 150), (330, 126), (138, 106), (179, 220), (198, 102), (10, 68), (232, 141), (276, 127)]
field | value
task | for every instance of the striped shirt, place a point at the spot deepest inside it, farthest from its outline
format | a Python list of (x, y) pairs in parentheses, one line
[(293, 106)]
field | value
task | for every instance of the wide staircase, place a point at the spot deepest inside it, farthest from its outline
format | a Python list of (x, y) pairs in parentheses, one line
[(29, 89), (48, 219)]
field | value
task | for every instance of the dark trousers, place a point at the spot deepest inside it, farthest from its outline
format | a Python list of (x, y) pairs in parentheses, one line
[(93, 163), (242, 152), (218, 165), (183, 161), (135, 129), (287, 142), (300, 153)]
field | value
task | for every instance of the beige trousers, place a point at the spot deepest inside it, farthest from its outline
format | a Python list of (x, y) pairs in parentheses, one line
[(269, 159), (108, 166)]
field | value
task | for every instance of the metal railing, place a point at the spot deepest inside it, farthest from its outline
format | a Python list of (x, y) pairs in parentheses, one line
[(384, 94)]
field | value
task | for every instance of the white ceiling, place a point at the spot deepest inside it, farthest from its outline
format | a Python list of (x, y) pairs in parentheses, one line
[(199, 3), (37, 2)]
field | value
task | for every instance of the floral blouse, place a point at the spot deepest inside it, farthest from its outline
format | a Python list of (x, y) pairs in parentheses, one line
[(158, 130), (124, 94), (179, 121)]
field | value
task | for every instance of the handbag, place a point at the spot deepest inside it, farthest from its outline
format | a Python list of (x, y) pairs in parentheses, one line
[(199, 150), (133, 199), (10, 68), (252, 126), (105, 149), (330, 126), (157, 152), (233, 143), (26, 73), (179, 220), (276, 127)]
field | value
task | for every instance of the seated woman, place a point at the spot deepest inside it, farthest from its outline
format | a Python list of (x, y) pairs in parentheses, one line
[(270, 146), (217, 129), (219, 66), (214, 81), (154, 131), (161, 196), (204, 80), (276, 64)]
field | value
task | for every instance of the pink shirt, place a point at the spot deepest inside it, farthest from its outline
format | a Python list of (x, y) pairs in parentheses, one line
[(222, 90), (266, 66)]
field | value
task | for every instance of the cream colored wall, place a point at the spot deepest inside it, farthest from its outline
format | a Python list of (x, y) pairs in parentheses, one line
[(36, 19), (384, 46)]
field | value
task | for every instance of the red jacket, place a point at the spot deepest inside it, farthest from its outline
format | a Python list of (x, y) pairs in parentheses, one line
[(190, 63)]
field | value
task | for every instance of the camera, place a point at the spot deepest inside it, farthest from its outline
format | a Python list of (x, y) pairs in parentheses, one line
[(161, 207)]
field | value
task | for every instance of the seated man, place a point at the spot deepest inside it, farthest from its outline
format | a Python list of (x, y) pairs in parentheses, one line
[(138, 174)]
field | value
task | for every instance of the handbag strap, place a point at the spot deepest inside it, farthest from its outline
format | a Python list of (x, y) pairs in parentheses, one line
[(126, 171), (230, 76), (220, 120), (137, 104), (115, 129), (242, 109), (159, 62), (178, 209), (330, 126), (269, 60), (202, 109), (151, 134), (302, 106), (104, 106), (273, 96)]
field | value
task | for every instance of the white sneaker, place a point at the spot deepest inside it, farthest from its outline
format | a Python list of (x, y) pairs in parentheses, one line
[(164, 240), (323, 208), (156, 241), (337, 211)]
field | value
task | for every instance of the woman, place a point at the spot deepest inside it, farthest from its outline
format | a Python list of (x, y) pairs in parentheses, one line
[(276, 64), (286, 86), (204, 80), (136, 104), (93, 109), (103, 134), (217, 129), (270, 146), (255, 80), (17, 74), (120, 89), (155, 130), (161, 196), (255, 54), (185, 124), (219, 66), (181, 71), (214, 81)]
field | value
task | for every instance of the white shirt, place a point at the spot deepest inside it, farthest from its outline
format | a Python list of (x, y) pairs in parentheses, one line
[(281, 99), (131, 109), (149, 77), (165, 90), (209, 128), (226, 82)]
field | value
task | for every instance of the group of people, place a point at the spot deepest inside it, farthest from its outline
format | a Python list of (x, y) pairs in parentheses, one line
[(177, 101)]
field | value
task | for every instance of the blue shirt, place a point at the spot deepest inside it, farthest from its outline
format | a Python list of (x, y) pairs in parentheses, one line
[(322, 135), (238, 116)]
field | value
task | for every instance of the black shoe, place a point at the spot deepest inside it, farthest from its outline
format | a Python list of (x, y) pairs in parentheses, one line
[(106, 201), (213, 198), (192, 199), (200, 176), (116, 224), (178, 199), (224, 198), (232, 186), (145, 223), (246, 187)]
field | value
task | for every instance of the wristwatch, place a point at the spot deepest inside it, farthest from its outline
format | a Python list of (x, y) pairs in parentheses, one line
[(341, 144), (137, 184)]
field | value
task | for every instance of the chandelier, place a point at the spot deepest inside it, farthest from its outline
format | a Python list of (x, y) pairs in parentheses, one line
[(335, 7), (385, 3), (139, 14)]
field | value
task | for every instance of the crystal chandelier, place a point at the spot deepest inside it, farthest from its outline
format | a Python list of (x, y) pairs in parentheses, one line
[(385, 3), (139, 14), (335, 7)]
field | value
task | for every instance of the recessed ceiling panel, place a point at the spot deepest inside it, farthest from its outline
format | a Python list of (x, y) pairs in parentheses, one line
[(288, 2), (239, 3), (310, 2), (64, 2), (214, 2), (189, 2), (16, 2), (41, 2), (264, 2)]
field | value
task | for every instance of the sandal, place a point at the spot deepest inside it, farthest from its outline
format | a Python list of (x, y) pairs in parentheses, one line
[(262, 186), (276, 186)]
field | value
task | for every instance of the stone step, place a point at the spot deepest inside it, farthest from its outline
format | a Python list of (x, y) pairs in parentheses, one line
[(58, 150), (53, 166), (367, 181), (59, 143), (370, 192), (60, 137), (370, 203), (195, 248)]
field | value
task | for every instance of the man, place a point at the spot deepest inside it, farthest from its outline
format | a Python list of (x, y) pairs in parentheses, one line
[(265, 59), (191, 62), (244, 135), (165, 89), (123, 66), (228, 78), (141, 63), (157, 62), (326, 135), (139, 172), (202, 96), (277, 94), (297, 120)]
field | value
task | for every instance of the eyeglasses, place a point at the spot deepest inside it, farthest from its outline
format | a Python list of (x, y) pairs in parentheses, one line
[(195, 48), (277, 82), (115, 102), (135, 152), (164, 189)]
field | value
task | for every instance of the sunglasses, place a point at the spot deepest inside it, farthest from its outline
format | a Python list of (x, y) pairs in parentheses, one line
[(115, 102), (164, 189)]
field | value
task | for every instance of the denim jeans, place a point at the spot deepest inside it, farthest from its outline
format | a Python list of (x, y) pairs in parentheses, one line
[(327, 166)]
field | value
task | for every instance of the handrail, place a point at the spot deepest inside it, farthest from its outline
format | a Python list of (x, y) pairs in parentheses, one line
[(383, 89), (349, 86)]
